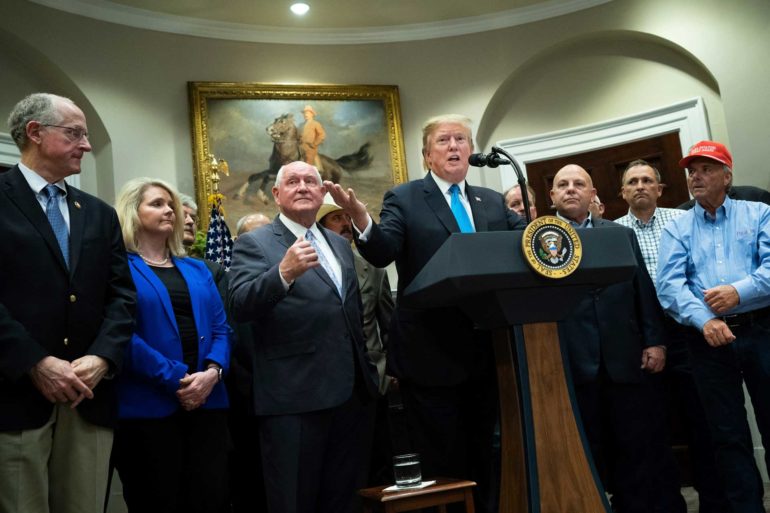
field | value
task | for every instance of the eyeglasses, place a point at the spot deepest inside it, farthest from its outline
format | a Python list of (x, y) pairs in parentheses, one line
[(73, 133)]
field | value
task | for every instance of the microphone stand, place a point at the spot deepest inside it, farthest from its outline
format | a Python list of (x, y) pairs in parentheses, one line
[(520, 179)]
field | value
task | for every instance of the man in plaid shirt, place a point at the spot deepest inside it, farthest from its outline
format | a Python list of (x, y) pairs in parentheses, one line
[(641, 189)]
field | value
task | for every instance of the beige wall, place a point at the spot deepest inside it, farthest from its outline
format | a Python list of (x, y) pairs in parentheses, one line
[(617, 59)]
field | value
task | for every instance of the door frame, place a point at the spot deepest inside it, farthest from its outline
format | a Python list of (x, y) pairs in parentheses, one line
[(688, 118)]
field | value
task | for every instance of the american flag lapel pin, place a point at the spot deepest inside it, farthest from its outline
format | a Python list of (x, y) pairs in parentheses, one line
[(477, 198)]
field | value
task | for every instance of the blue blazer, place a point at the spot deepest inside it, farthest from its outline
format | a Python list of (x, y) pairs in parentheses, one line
[(153, 361)]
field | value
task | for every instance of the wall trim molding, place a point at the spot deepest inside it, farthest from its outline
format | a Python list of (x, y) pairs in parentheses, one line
[(688, 118), (9, 153), (105, 10)]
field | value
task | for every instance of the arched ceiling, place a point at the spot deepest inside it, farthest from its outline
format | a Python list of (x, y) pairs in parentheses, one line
[(328, 22)]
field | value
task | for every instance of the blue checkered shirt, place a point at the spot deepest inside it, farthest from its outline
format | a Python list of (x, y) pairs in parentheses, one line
[(649, 234)]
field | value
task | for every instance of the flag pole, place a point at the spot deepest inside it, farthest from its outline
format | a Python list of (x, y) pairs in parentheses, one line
[(219, 243)]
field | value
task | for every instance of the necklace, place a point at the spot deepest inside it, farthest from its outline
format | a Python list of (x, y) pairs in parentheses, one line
[(154, 262)]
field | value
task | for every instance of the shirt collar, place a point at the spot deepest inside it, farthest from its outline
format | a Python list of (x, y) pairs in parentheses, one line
[(638, 222), (444, 186), (587, 222), (724, 209), (36, 182), (297, 229)]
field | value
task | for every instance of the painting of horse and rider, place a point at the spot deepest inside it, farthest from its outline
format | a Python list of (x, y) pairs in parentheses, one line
[(353, 137)]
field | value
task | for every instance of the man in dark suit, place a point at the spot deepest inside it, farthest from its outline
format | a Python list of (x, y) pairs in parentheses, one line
[(66, 313), (377, 303), (313, 384), (445, 366), (613, 339)]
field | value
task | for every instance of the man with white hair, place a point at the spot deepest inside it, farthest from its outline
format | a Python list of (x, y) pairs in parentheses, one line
[(714, 276), (313, 383), (67, 304)]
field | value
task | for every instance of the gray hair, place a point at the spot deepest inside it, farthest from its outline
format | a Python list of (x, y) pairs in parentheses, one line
[(530, 192), (41, 107), (279, 176), (187, 201)]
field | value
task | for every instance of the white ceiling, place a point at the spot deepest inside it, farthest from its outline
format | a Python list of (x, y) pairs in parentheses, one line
[(328, 22)]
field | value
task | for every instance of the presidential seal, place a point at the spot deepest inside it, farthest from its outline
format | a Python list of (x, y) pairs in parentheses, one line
[(551, 247)]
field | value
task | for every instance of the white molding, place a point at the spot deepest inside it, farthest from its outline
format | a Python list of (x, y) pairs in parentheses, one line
[(105, 10), (688, 118), (10, 156), (9, 153)]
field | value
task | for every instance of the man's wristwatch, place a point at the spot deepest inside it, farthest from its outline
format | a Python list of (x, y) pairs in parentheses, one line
[(216, 368)]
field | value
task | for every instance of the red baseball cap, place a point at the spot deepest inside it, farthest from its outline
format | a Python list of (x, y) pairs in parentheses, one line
[(710, 150)]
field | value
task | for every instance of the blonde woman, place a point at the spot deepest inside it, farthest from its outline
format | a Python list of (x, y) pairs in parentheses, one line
[(171, 444)]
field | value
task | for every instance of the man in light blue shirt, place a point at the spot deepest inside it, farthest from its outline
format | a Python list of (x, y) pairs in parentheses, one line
[(714, 275), (641, 188)]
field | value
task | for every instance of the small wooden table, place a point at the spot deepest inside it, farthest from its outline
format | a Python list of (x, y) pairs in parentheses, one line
[(445, 491)]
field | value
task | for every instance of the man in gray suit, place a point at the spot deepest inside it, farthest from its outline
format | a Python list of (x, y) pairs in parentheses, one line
[(313, 383)]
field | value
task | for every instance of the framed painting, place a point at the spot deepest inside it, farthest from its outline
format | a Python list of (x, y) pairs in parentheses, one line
[(352, 133)]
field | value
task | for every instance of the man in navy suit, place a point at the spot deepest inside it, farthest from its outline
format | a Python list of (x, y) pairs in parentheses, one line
[(444, 364), (66, 314), (313, 384), (614, 343)]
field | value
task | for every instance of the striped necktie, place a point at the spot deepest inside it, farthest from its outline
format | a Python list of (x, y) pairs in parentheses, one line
[(323, 261)]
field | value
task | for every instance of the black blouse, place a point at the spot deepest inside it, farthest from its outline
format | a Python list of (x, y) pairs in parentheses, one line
[(182, 306)]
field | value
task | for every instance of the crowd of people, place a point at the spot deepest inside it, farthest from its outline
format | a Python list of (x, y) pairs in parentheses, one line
[(270, 387)]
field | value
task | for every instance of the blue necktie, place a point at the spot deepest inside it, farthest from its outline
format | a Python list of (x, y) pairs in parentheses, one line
[(461, 215), (322, 259), (56, 219)]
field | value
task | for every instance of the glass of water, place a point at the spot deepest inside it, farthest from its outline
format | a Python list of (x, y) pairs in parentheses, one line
[(406, 470)]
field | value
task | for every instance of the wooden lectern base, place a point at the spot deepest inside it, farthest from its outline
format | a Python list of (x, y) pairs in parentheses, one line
[(545, 468)]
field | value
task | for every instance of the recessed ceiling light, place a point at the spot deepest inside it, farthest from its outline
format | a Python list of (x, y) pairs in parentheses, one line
[(299, 8)]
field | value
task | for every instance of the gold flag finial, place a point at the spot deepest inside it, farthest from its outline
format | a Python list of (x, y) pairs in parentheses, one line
[(215, 167)]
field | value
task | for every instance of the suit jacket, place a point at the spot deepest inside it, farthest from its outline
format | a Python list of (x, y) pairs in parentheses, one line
[(47, 309), (739, 192), (154, 361), (377, 303), (612, 325), (431, 346), (308, 340)]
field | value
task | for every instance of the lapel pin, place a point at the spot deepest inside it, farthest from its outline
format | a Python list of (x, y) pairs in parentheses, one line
[(477, 198), (77, 205)]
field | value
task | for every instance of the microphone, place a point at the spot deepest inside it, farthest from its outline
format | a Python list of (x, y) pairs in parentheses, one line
[(486, 160)]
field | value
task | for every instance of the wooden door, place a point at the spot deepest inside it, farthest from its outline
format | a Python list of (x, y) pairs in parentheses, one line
[(606, 167)]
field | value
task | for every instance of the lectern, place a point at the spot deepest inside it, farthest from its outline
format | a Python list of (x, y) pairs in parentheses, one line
[(546, 463)]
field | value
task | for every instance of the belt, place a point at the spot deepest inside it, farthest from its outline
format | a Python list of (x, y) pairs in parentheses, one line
[(746, 318)]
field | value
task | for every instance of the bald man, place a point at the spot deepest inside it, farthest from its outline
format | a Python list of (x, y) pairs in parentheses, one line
[(614, 347), (251, 221)]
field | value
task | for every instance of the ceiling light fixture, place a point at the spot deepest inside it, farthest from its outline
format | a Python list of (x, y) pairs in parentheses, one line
[(299, 8)]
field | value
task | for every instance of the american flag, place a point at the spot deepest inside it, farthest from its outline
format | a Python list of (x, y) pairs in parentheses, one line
[(219, 243)]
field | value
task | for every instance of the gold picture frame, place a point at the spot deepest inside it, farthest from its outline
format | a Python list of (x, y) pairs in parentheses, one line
[(246, 124)]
